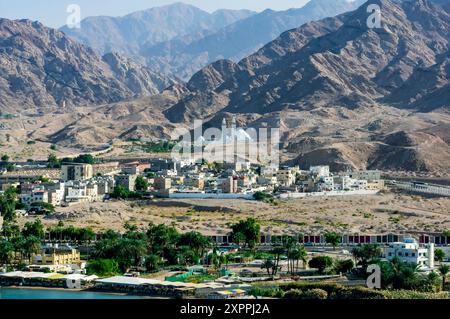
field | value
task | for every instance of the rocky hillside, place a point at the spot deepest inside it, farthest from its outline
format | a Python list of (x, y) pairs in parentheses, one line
[(41, 67), (128, 34), (181, 39), (338, 72)]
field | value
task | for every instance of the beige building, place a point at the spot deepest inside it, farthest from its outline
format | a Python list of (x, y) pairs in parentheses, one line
[(127, 181), (58, 256), (375, 185), (230, 185), (76, 172), (162, 183), (286, 176)]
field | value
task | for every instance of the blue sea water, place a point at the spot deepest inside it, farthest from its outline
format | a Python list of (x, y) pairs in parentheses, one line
[(23, 293)]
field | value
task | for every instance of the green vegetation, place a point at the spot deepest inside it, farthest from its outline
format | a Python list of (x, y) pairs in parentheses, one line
[(396, 274), (333, 291), (366, 254), (333, 239), (265, 197), (155, 147), (158, 245), (141, 184), (103, 267), (247, 231), (321, 263), (71, 233), (4, 163), (344, 266), (54, 162), (42, 208), (121, 193), (439, 254), (8, 201)]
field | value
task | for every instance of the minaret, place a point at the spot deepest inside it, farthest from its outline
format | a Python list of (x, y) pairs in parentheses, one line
[(224, 131), (431, 256), (234, 140)]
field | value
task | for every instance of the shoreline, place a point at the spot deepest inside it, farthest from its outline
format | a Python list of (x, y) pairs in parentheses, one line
[(63, 290)]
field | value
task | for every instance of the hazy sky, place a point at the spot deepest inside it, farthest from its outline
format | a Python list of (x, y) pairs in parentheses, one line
[(53, 12)]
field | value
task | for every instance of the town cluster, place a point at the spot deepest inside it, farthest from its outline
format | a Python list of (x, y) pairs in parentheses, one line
[(80, 182)]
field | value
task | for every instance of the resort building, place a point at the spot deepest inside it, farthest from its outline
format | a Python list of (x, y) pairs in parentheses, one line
[(58, 255), (411, 252)]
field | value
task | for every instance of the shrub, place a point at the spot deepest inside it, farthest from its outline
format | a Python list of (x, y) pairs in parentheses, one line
[(315, 294)]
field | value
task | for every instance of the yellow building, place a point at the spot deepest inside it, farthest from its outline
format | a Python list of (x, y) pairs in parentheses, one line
[(58, 256), (375, 185)]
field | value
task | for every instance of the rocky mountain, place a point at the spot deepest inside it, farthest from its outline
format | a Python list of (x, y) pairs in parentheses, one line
[(338, 61), (181, 39), (342, 87), (128, 34), (41, 67)]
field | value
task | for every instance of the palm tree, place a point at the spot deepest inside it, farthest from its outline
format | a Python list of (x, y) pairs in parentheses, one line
[(268, 265), (444, 270)]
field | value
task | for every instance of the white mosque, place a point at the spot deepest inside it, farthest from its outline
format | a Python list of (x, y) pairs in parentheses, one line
[(229, 135)]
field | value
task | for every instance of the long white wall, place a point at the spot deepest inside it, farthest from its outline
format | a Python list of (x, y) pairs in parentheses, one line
[(210, 196), (332, 193)]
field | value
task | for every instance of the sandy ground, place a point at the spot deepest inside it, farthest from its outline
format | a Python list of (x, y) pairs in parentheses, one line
[(353, 214)]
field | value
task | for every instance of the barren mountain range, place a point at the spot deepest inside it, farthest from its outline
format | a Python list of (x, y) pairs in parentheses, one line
[(41, 67), (342, 93), (184, 38)]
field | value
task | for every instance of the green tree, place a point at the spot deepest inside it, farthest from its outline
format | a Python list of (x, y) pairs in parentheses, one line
[(152, 262), (344, 266), (333, 239), (195, 241), (120, 192), (141, 184), (268, 264), (10, 230), (444, 271), (162, 239), (250, 229), (53, 161), (31, 245), (365, 254), (103, 267), (8, 204), (6, 252), (35, 229), (439, 254), (321, 263)]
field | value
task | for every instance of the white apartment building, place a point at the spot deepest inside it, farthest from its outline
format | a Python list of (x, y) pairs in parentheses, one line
[(320, 171), (410, 251), (346, 183), (370, 175)]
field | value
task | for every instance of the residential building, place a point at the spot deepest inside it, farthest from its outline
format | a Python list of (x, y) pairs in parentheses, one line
[(127, 181), (370, 175), (410, 251), (286, 176), (58, 255), (230, 185), (162, 183), (76, 172)]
